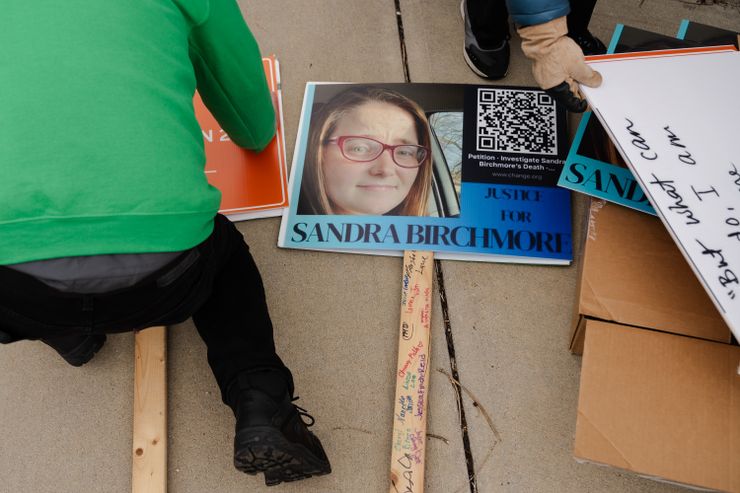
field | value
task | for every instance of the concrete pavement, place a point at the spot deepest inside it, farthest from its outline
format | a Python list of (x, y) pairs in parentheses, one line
[(69, 430)]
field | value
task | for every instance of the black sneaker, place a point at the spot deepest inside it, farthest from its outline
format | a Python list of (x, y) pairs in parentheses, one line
[(590, 44), (489, 63), (83, 352), (272, 438)]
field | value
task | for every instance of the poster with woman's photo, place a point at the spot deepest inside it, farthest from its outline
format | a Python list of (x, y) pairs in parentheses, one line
[(466, 171)]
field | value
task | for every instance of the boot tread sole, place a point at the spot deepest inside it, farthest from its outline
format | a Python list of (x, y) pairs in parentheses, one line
[(265, 449)]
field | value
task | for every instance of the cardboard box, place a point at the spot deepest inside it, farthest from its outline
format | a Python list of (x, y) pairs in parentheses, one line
[(633, 273), (661, 405)]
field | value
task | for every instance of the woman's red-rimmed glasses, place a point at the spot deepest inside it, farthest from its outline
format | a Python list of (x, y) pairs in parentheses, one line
[(365, 149)]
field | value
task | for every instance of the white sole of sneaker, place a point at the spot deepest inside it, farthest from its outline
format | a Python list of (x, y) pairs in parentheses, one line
[(474, 68)]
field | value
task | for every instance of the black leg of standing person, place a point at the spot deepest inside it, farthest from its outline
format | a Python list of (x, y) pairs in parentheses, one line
[(489, 21), (578, 20), (486, 48)]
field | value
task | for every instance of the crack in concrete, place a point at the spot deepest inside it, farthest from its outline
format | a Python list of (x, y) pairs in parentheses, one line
[(402, 42), (469, 461), (486, 416)]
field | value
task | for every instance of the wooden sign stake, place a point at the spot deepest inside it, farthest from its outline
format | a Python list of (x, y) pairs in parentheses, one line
[(149, 467), (412, 375)]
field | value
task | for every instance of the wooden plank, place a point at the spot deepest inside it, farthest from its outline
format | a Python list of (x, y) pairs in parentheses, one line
[(412, 375), (149, 467)]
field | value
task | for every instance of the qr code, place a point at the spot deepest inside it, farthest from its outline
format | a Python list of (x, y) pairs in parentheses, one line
[(516, 121)]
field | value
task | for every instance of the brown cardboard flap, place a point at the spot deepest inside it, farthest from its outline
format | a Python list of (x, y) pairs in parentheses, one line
[(660, 405), (634, 274), (577, 336)]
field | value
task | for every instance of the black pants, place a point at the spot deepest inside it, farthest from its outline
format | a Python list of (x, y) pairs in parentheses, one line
[(217, 283), (489, 19)]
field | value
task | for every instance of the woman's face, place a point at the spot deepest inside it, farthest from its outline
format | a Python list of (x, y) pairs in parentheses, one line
[(377, 186)]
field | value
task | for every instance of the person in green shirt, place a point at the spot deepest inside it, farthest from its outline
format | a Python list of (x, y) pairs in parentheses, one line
[(107, 221)]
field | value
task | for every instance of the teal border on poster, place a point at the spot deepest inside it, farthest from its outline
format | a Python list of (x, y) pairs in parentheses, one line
[(682, 28), (301, 144), (615, 38)]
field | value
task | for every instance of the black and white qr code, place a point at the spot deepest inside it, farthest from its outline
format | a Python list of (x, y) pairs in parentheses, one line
[(516, 121)]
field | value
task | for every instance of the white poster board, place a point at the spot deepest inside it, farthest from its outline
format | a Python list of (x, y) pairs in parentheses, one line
[(676, 121)]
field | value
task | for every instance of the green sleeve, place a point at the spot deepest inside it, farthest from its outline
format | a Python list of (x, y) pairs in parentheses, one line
[(230, 76)]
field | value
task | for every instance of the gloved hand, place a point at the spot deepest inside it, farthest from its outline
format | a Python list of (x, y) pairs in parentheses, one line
[(557, 62)]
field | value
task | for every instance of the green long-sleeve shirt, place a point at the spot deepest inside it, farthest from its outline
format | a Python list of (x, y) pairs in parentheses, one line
[(100, 151)]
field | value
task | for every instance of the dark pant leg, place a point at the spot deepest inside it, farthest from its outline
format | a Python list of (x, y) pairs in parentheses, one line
[(489, 20), (67, 343), (580, 15), (217, 283), (234, 321)]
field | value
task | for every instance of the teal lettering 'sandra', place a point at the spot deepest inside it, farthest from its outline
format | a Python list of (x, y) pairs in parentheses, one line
[(344, 233), (605, 182)]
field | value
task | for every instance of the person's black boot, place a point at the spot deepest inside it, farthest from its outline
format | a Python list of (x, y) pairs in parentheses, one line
[(590, 44), (271, 436), (77, 350)]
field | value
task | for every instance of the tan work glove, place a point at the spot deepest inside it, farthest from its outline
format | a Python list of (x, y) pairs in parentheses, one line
[(557, 62)]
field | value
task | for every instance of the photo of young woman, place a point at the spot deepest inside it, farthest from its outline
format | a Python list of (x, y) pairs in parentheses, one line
[(368, 153)]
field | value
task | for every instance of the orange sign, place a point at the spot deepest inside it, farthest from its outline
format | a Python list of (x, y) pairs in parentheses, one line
[(252, 185)]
